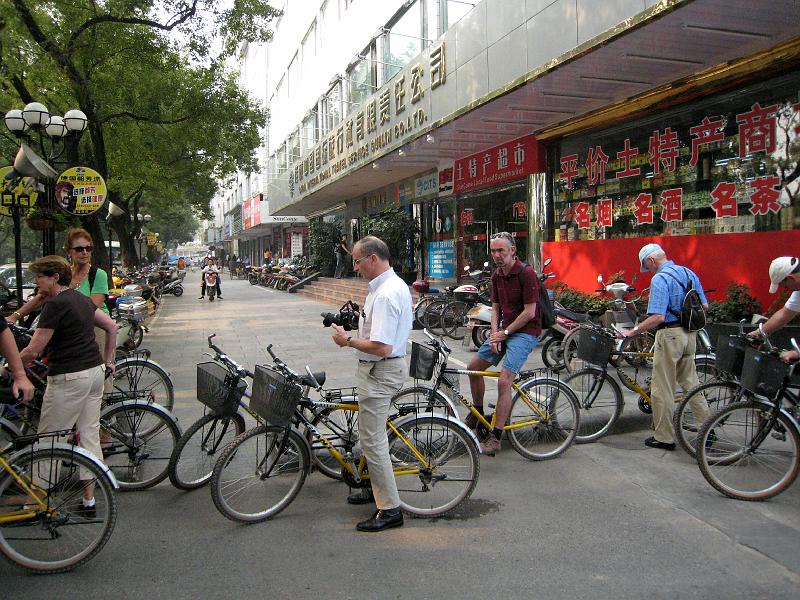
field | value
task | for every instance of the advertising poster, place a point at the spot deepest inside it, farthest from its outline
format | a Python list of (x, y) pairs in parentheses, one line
[(80, 191), (441, 259), (24, 191)]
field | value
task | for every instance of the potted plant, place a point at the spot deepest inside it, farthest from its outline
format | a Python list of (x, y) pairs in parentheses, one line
[(322, 239), (401, 232), (724, 316), (39, 218)]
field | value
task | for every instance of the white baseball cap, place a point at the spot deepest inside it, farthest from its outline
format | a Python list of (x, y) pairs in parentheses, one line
[(780, 269), (647, 251)]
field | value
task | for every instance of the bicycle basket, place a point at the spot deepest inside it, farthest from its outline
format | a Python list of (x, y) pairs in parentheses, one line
[(594, 347), (730, 355), (274, 397), (215, 391), (423, 361), (763, 373)]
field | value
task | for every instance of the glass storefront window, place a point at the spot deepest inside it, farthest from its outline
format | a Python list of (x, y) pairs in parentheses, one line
[(725, 164), (403, 40)]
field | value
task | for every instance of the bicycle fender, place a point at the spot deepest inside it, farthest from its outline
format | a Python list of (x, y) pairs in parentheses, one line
[(454, 420), (7, 425), (69, 448), (439, 394), (156, 406), (786, 413), (132, 359)]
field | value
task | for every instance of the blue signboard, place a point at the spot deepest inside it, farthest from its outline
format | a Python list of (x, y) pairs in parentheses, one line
[(441, 259)]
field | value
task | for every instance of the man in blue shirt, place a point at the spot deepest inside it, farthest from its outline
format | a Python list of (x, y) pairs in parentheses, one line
[(673, 354)]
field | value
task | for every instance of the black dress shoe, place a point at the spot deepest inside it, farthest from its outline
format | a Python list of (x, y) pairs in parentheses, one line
[(382, 519), (362, 496), (652, 442)]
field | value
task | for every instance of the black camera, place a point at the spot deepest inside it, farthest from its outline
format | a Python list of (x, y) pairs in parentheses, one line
[(346, 318)]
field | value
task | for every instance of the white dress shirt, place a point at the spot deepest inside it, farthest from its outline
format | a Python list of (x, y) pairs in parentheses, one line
[(388, 315)]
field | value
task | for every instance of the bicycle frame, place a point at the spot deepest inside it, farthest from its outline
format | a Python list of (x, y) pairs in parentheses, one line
[(23, 514)]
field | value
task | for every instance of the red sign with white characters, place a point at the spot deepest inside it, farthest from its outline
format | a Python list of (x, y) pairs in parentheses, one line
[(247, 213), (506, 162), (255, 209)]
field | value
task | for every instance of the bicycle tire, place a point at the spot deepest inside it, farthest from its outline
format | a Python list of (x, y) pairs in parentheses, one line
[(238, 487), (192, 461), (644, 342), (419, 310), (136, 335), (142, 379), (569, 351), (76, 538), (728, 458), (142, 441), (340, 428), (480, 334), (601, 402), (552, 353), (433, 316), (706, 369), (421, 399), (551, 438), (452, 319), (450, 456), (716, 394)]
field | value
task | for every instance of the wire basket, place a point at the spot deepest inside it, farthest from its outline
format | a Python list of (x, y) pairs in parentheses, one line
[(215, 389), (730, 353), (594, 347), (763, 373), (423, 361), (274, 397)]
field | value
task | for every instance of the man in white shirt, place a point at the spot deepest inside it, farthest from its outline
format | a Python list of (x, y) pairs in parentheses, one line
[(784, 272), (380, 347)]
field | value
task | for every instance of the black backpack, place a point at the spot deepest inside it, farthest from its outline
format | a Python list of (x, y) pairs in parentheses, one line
[(692, 316), (545, 305)]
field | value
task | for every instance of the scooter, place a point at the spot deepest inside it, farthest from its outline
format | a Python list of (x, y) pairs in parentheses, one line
[(211, 284), (174, 287)]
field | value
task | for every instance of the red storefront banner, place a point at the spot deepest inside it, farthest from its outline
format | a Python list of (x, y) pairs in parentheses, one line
[(255, 210), (247, 213), (505, 162)]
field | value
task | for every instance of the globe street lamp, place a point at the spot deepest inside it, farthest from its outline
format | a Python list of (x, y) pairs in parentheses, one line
[(140, 220), (35, 121)]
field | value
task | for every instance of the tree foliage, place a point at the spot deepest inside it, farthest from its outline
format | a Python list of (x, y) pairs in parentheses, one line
[(167, 119)]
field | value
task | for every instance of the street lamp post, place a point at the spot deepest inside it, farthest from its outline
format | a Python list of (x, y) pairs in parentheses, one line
[(141, 220), (35, 121)]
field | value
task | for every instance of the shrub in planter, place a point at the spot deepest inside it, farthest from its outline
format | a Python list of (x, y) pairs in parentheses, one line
[(576, 300), (738, 305), (322, 240)]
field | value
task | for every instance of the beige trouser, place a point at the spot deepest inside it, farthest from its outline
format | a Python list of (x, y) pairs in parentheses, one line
[(673, 362), (73, 400), (100, 336), (377, 383)]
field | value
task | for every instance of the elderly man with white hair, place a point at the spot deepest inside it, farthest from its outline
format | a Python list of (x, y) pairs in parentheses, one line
[(673, 355), (784, 272)]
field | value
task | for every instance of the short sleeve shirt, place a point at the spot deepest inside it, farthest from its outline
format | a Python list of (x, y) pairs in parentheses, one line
[(668, 288), (100, 287), (73, 346), (512, 298), (793, 303), (387, 316)]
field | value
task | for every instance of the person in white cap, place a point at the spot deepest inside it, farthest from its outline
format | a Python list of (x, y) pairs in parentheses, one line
[(784, 272), (673, 354)]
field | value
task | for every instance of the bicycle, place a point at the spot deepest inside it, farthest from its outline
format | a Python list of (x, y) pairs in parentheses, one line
[(750, 449), (223, 389), (43, 525), (601, 398), (435, 459), (545, 412)]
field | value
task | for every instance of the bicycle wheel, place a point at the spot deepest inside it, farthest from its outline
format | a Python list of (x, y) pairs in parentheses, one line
[(644, 342), (136, 335), (258, 475), (433, 316), (435, 463), (142, 440), (419, 310), (192, 462), (453, 319), (569, 351), (66, 536), (544, 418), (742, 456), (708, 398), (421, 399), (340, 428), (601, 402), (143, 380), (706, 369)]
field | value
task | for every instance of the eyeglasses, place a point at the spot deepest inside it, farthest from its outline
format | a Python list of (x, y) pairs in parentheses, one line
[(82, 248), (358, 260)]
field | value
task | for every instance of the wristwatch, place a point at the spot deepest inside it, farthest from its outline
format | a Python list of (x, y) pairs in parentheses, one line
[(636, 329), (506, 332), (348, 340)]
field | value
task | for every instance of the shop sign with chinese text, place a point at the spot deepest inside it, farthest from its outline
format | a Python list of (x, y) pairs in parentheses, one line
[(80, 191), (23, 191), (441, 259), (505, 162)]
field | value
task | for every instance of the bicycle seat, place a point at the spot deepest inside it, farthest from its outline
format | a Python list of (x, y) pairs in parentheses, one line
[(319, 376), (575, 316)]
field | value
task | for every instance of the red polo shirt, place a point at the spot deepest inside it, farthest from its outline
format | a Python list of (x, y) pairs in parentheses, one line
[(507, 293)]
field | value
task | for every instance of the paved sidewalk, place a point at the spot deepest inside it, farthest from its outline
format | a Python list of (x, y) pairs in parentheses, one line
[(611, 519)]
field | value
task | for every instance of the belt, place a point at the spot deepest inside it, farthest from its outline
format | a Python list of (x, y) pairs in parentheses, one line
[(380, 359), (669, 325)]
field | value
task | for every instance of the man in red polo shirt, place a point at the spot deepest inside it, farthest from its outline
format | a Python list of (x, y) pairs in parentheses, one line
[(516, 327)]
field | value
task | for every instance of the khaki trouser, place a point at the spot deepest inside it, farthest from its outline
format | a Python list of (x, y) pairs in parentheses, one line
[(73, 399), (100, 336), (673, 362), (377, 383)]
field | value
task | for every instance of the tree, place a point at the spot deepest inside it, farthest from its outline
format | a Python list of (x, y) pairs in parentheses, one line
[(167, 119)]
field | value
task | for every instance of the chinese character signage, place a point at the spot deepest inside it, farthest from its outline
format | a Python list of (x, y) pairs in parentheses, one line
[(24, 191), (247, 213), (255, 209), (441, 259), (80, 191), (506, 162)]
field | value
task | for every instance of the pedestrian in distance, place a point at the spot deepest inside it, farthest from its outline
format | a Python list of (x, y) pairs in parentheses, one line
[(784, 272), (516, 328), (380, 347), (341, 253), (674, 350)]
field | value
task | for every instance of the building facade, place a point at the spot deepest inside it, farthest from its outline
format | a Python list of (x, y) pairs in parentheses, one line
[(586, 129)]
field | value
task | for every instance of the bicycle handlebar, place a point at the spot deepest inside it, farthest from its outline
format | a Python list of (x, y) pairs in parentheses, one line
[(437, 341), (282, 365), (222, 357)]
